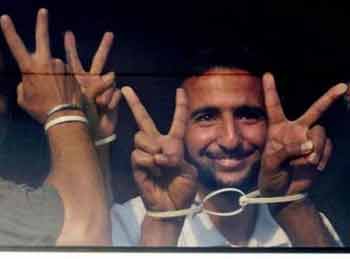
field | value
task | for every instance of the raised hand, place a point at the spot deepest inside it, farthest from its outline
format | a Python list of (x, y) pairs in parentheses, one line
[(99, 90), (165, 180), (44, 85), (293, 143)]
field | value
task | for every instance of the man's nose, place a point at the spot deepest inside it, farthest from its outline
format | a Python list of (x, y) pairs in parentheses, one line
[(230, 136)]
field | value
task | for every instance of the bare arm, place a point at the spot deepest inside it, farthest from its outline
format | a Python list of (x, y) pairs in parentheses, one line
[(104, 156), (165, 179), (75, 169), (76, 174), (295, 153), (101, 97), (304, 226), (160, 232)]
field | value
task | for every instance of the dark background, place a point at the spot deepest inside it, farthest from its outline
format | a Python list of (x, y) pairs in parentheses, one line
[(306, 46)]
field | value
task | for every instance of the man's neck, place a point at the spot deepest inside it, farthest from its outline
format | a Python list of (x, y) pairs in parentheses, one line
[(236, 229)]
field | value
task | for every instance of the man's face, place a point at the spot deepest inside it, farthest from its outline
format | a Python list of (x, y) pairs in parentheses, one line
[(227, 126)]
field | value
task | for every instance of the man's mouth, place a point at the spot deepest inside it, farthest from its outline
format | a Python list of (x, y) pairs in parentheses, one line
[(229, 164)]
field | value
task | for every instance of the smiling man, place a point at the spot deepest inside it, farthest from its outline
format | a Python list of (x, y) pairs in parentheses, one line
[(229, 130), (227, 127)]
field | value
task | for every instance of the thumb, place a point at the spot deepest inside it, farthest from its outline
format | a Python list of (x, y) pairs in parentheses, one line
[(272, 160)]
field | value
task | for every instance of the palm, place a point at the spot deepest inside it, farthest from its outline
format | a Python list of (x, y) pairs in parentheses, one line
[(165, 180), (39, 69), (94, 86), (167, 192)]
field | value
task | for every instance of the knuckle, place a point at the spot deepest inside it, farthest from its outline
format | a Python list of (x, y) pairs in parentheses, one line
[(138, 137), (175, 160), (314, 159), (26, 67), (57, 61), (134, 156), (291, 148), (318, 128)]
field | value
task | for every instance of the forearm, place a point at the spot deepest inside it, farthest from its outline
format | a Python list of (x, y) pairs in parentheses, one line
[(103, 151), (303, 225), (76, 174), (104, 155), (160, 232)]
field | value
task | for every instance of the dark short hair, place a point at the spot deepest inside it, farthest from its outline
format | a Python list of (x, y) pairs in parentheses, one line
[(239, 58)]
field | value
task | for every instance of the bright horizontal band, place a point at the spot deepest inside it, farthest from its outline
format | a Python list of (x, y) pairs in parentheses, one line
[(106, 140), (253, 198), (65, 119), (64, 106), (244, 200)]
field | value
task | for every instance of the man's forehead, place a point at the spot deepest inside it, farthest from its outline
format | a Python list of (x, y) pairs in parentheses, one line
[(218, 75), (224, 85)]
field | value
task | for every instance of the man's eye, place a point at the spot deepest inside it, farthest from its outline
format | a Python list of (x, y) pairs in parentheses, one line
[(203, 117)]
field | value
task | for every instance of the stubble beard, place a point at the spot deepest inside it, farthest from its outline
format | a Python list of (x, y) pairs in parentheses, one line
[(211, 181)]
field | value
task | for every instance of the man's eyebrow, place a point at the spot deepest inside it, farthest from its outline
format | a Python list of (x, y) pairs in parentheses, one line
[(258, 110), (203, 110)]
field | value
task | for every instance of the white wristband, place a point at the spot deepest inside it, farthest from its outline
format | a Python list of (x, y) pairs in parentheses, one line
[(106, 140), (64, 119), (64, 106)]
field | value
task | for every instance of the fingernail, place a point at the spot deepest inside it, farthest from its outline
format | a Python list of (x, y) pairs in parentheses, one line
[(125, 89), (109, 34), (3, 19), (321, 167), (312, 158), (43, 11), (341, 88), (307, 147)]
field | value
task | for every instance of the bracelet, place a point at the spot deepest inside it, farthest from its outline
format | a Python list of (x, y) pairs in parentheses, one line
[(106, 140), (61, 107), (64, 119)]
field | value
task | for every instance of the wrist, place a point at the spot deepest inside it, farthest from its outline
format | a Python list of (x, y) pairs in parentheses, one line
[(161, 232), (174, 221), (66, 113), (66, 118), (283, 212)]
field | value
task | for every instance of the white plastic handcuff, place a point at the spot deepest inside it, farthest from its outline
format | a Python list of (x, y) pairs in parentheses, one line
[(244, 200)]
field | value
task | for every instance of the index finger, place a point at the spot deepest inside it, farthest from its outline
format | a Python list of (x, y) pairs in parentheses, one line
[(178, 125), (42, 37), (322, 104), (273, 106), (72, 53), (143, 119), (15, 43), (102, 52)]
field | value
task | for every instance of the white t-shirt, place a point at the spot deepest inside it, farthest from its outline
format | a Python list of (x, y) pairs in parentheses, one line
[(198, 231)]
